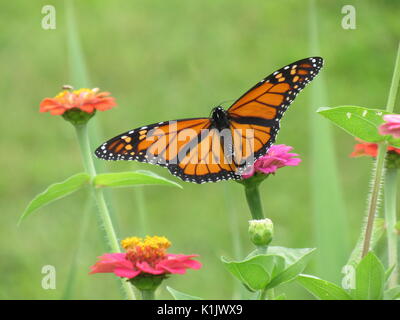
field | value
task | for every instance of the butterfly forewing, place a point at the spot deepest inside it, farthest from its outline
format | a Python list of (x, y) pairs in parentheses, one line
[(262, 107)]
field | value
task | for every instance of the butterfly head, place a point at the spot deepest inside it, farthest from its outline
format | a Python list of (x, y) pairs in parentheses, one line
[(220, 118)]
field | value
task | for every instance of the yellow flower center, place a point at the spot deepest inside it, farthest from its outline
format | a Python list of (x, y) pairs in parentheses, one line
[(77, 93), (149, 249)]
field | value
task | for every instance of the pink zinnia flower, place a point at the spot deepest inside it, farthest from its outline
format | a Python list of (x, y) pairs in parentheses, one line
[(391, 126), (278, 156), (86, 100), (144, 257)]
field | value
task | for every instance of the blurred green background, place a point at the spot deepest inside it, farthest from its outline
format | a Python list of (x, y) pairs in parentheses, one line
[(167, 60)]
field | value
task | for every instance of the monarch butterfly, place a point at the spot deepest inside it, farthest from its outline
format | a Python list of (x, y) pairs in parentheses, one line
[(224, 145)]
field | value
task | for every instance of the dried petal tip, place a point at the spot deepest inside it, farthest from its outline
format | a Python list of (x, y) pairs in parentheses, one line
[(67, 87)]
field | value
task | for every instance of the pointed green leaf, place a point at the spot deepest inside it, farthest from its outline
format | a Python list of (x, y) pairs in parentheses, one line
[(322, 289), (378, 231), (296, 262), (360, 122), (181, 296), (392, 294), (256, 272), (370, 279), (128, 179), (389, 272), (56, 191)]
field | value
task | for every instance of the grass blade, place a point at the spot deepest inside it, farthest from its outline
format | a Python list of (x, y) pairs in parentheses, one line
[(329, 214)]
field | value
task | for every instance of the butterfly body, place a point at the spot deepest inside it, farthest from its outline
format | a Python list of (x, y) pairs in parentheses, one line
[(220, 118), (224, 145)]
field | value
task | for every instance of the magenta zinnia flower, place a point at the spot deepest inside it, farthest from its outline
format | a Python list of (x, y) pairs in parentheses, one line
[(278, 156), (144, 257), (391, 126)]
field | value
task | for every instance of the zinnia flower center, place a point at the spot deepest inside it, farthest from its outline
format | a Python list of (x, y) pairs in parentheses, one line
[(150, 249)]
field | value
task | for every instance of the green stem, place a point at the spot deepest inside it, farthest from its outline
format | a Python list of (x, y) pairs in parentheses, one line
[(83, 138), (380, 161), (139, 194), (394, 86), (373, 200), (147, 294), (390, 217), (254, 201), (267, 294)]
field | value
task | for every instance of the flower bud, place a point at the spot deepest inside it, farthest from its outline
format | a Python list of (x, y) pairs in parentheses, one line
[(392, 160), (261, 232)]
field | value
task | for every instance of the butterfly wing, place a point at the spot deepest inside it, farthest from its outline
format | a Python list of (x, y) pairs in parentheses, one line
[(190, 148), (261, 108)]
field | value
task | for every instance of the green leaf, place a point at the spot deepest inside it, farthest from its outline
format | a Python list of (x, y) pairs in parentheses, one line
[(370, 279), (378, 231), (256, 272), (392, 294), (296, 261), (389, 272), (128, 179), (265, 271), (56, 191), (322, 289), (360, 122), (282, 296), (181, 296)]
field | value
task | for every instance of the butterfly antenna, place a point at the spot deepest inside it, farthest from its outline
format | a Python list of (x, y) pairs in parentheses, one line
[(226, 101)]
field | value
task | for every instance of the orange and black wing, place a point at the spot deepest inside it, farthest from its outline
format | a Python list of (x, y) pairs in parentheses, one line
[(190, 148), (260, 109)]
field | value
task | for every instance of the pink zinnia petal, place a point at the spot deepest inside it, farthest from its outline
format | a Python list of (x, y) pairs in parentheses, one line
[(126, 272), (278, 156), (179, 263), (146, 268), (391, 126), (109, 262)]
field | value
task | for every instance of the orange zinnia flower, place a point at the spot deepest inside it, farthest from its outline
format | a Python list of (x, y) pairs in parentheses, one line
[(86, 100), (369, 149)]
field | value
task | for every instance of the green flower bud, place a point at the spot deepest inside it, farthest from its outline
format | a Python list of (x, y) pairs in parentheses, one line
[(147, 282), (261, 232), (392, 160)]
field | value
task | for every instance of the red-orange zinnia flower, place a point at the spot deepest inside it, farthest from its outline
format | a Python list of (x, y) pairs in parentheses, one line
[(369, 149), (87, 100)]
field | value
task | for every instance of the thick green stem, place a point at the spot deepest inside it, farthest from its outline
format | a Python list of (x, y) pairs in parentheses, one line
[(254, 201), (147, 294), (380, 161), (83, 138), (374, 197), (390, 217)]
